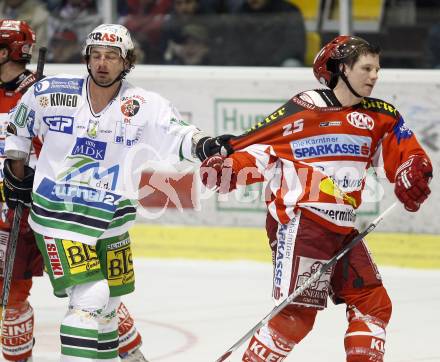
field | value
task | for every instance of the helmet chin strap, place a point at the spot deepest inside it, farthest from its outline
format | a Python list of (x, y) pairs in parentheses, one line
[(345, 79)]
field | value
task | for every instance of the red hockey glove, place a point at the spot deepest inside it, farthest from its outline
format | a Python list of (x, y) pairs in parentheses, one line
[(216, 173), (412, 182)]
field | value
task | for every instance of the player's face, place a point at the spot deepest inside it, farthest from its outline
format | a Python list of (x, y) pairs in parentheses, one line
[(3, 55), (105, 64), (364, 73)]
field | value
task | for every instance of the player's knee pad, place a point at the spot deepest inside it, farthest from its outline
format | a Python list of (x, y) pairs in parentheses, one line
[(368, 314), (129, 337), (86, 303), (93, 296), (274, 341), (18, 332)]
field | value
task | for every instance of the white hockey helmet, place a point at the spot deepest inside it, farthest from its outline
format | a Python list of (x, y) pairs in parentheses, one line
[(109, 35)]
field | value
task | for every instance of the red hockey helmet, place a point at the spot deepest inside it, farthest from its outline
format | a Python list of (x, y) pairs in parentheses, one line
[(18, 37), (326, 63)]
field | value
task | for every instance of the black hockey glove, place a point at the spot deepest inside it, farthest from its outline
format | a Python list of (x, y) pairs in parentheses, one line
[(210, 146), (16, 190)]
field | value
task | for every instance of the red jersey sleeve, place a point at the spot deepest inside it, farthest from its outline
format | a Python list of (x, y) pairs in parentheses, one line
[(252, 164), (397, 146)]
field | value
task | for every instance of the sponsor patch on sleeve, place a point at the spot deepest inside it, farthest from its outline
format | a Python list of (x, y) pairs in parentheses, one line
[(401, 131), (20, 115)]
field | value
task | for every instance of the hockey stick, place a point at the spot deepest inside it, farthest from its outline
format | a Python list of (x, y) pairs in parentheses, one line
[(9, 260), (40, 63), (15, 227), (313, 278)]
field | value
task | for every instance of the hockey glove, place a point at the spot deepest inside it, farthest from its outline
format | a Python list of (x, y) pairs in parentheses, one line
[(16, 190), (412, 182), (210, 146), (217, 174)]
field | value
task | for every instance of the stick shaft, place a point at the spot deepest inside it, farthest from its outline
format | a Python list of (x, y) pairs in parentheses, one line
[(10, 258), (40, 63)]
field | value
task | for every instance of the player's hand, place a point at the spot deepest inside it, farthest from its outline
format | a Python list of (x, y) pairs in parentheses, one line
[(16, 190), (217, 174), (412, 182), (210, 146)]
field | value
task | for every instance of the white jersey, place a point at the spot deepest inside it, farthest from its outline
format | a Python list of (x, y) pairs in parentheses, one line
[(89, 169)]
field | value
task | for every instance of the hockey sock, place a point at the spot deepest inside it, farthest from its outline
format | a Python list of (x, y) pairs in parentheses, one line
[(17, 332), (108, 338), (129, 337), (368, 317), (273, 342)]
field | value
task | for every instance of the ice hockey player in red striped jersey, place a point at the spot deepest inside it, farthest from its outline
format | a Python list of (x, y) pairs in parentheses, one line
[(313, 153)]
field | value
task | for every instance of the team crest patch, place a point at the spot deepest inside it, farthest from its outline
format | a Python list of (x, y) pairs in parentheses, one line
[(130, 107), (360, 120), (92, 128), (20, 115), (316, 294)]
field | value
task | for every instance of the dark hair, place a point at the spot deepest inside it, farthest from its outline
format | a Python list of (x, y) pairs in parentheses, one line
[(131, 58), (363, 49), (21, 61)]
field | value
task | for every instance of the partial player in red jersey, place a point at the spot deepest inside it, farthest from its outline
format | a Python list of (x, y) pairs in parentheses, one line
[(16, 43), (313, 154)]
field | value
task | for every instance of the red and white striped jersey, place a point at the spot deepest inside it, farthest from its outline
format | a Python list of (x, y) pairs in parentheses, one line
[(9, 97), (313, 154)]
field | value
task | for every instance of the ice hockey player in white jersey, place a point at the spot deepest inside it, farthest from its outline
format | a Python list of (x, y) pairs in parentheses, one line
[(98, 130)]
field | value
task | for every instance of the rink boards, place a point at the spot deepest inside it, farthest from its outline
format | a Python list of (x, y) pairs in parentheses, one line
[(218, 243)]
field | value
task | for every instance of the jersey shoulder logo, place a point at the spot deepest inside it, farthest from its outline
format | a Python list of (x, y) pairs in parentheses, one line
[(379, 106)]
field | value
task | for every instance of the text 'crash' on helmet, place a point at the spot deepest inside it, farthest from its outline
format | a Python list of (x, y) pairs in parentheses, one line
[(342, 49), (109, 35), (18, 37)]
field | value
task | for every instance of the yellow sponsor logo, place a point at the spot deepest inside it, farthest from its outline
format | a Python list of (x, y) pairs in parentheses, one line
[(81, 257), (119, 264), (328, 187), (377, 105), (274, 116)]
